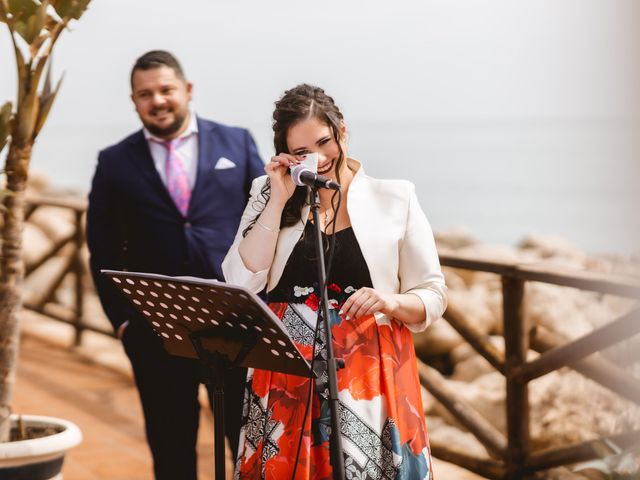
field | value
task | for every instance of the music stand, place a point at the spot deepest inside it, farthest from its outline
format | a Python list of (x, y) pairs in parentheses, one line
[(221, 325)]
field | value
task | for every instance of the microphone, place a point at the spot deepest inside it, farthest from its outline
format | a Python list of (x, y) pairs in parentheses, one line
[(302, 175)]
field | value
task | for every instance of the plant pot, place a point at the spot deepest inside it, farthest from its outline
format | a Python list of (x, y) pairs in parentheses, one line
[(38, 458)]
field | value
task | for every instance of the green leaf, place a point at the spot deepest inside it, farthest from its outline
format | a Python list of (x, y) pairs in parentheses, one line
[(70, 8), (26, 117), (46, 87), (23, 73), (62, 7), (22, 9), (46, 101), (5, 123), (4, 9), (79, 8), (31, 28), (23, 12), (36, 22)]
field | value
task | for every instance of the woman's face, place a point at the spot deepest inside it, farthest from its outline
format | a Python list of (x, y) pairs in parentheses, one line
[(311, 136)]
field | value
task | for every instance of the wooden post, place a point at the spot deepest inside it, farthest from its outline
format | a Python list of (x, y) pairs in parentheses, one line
[(78, 271), (516, 339)]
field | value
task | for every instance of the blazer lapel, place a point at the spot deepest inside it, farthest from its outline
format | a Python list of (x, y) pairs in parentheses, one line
[(144, 162), (206, 172)]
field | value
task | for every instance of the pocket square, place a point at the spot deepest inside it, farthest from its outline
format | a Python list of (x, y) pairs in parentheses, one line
[(223, 163)]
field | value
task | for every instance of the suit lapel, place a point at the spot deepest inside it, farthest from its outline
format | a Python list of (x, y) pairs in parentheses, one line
[(206, 173), (144, 163)]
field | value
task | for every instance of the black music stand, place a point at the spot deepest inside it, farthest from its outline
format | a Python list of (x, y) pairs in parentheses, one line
[(221, 325)]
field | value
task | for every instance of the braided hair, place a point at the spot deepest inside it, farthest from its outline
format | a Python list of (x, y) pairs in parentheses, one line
[(297, 104)]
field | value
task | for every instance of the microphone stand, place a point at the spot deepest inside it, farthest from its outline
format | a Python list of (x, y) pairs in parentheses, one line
[(335, 438)]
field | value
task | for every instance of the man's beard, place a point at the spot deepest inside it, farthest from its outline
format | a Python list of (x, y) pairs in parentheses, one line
[(167, 131)]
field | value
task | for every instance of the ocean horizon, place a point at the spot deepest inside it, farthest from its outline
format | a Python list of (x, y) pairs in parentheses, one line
[(498, 180)]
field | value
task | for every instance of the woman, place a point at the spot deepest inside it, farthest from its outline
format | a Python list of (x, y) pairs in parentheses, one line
[(384, 282)]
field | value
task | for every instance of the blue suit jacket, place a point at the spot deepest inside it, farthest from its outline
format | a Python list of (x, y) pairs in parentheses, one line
[(133, 224)]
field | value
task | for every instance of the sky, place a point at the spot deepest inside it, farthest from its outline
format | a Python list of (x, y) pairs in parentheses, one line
[(510, 117)]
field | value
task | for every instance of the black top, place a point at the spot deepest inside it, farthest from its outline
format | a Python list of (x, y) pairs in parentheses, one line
[(299, 278)]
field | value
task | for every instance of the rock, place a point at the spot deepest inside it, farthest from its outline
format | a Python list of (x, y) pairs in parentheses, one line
[(453, 279), (551, 246), (454, 238), (36, 243), (471, 368), (568, 408), (443, 433), (486, 394), (446, 470), (473, 305), (440, 338), (54, 222), (559, 309), (428, 401), (461, 353), (497, 253), (561, 473)]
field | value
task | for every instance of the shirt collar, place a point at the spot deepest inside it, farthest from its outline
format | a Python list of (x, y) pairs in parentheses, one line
[(192, 128)]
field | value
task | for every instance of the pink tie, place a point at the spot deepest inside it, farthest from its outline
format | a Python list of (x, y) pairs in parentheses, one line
[(177, 179)]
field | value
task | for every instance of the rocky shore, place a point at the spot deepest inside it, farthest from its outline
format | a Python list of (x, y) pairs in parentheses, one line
[(566, 407)]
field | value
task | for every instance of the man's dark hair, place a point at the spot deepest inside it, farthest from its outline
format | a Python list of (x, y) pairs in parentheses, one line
[(157, 59)]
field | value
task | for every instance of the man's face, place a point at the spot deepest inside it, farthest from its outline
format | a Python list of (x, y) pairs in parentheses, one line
[(162, 100)]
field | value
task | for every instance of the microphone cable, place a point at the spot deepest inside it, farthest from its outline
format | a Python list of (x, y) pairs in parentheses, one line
[(332, 247)]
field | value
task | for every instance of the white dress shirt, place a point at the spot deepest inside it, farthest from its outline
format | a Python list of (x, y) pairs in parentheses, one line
[(188, 151)]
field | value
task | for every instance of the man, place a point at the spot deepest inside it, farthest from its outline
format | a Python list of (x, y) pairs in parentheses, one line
[(168, 199)]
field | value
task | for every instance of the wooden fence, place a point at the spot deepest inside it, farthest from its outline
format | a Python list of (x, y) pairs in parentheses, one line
[(510, 456), (70, 248)]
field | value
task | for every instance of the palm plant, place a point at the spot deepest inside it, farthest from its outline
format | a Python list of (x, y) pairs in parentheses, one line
[(34, 27)]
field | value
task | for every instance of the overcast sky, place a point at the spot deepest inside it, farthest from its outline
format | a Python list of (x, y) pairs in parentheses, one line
[(415, 66)]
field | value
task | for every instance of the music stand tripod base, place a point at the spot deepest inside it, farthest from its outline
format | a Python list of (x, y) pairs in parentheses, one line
[(220, 325)]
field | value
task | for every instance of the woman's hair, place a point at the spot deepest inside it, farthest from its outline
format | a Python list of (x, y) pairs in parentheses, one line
[(297, 104)]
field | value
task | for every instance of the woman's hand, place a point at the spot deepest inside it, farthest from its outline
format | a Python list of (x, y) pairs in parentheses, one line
[(367, 301), (282, 186)]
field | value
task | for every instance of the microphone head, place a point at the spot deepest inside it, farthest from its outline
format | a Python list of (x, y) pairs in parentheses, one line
[(309, 163), (296, 173)]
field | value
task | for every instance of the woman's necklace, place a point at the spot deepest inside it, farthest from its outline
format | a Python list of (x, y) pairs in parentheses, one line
[(326, 218)]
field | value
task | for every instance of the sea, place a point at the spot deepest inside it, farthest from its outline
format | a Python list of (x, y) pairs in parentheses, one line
[(497, 180)]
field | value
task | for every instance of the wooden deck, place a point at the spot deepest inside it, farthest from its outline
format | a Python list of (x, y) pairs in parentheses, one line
[(59, 381), (92, 386)]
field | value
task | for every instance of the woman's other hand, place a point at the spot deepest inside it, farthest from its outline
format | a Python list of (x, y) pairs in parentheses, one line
[(367, 301), (407, 308)]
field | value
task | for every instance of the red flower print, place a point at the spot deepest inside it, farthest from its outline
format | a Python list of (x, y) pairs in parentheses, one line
[(312, 302), (335, 287)]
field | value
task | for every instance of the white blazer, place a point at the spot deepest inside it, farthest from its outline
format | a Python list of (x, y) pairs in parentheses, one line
[(393, 233)]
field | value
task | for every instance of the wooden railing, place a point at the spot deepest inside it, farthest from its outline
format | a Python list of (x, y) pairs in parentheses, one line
[(510, 456), (70, 249)]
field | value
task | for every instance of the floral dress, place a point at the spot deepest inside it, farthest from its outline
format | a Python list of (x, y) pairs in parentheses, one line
[(381, 417)]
